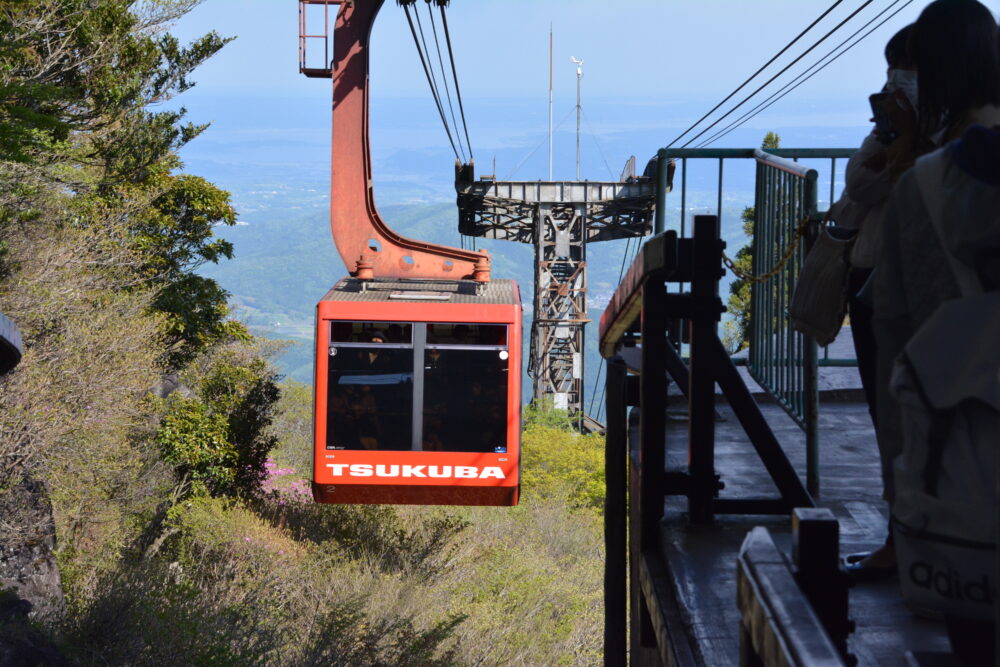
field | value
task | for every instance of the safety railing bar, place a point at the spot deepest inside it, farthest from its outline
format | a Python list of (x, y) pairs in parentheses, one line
[(718, 204), (683, 197), (784, 164), (728, 153)]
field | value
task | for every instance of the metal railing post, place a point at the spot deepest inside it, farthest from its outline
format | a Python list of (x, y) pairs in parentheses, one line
[(784, 362), (702, 375), (652, 410), (615, 515), (810, 374), (660, 215)]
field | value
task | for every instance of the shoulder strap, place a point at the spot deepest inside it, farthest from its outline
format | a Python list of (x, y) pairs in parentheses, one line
[(929, 171)]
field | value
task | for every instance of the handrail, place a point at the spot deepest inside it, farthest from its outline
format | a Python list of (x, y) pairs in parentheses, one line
[(782, 360), (778, 623), (784, 164), (802, 153)]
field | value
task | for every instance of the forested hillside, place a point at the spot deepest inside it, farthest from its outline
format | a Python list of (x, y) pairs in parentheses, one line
[(153, 464)]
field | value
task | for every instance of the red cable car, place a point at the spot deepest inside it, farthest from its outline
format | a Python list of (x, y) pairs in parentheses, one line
[(418, 353)]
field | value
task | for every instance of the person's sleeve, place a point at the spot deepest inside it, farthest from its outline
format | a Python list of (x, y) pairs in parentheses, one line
[(891, 317), (863, 184), (891, 311)]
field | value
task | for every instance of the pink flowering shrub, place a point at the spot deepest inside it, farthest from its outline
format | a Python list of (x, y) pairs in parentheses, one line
[(284, 485)]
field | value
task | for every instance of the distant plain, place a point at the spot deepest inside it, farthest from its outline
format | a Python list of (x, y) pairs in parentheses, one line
[(277, 168)]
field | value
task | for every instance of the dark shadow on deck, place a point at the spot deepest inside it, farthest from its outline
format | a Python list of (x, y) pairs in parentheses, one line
[(701, 561), (702, 473)]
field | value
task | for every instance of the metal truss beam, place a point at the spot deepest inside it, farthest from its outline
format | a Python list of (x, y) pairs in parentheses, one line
[(559, 218)]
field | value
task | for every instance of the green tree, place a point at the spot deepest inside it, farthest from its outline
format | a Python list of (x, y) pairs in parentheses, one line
[(542, 412), (92, 65), (101, 233), (218, 440), (176, 236), (77, 80)]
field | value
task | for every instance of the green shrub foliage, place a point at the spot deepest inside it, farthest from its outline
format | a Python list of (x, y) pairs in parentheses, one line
[(176, 469), (218, 439)]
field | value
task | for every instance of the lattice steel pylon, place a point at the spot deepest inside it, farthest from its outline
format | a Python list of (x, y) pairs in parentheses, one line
[(559, 218)]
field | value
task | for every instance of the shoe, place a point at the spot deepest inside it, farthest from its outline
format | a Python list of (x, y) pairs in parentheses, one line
[(857, 570)]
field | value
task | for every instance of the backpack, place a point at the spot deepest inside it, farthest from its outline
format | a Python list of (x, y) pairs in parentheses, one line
[(947, 385)]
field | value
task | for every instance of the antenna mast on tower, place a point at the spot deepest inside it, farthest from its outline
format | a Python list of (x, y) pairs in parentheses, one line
[(579, 75), (550, 102)]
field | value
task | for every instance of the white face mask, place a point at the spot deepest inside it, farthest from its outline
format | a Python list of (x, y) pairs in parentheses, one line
[(905, 80)]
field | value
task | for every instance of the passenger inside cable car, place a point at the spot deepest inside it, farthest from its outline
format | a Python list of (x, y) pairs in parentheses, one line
[(459, 386)]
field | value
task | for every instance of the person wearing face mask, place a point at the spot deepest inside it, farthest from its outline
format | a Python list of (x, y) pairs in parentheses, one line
[(867, 188), (953, 48), (950, 198)]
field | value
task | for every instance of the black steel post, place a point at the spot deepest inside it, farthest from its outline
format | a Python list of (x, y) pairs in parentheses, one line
[(653, 410), (816, 566), (615, 515), (660, 211), (701, 391)]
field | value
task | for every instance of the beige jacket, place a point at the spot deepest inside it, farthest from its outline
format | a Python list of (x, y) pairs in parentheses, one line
[(862, 205)]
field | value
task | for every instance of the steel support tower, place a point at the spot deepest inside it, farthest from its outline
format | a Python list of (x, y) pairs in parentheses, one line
[(559, 218)]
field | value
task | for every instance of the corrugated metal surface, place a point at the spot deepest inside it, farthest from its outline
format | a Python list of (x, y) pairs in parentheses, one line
[(495, 292)]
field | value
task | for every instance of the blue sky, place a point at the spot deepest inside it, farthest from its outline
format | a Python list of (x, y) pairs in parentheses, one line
[(661, 62), (658, 50), (652, 67)]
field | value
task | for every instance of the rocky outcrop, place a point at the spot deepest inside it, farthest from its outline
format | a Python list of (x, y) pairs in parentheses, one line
[(27, 546), (168, 384)]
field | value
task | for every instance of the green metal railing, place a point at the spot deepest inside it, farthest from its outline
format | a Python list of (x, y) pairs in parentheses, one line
[(783, 361)]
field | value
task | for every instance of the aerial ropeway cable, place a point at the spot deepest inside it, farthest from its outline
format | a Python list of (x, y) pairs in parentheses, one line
[(754, 75), (782, 71), (427, 72), (809, 73), (454, 72), (423, 50), (444, 80)]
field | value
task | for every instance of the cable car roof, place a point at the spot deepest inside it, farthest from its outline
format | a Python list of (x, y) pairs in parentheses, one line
[(495, 292)]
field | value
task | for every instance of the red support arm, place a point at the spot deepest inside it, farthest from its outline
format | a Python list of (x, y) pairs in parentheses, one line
[(366, 244)]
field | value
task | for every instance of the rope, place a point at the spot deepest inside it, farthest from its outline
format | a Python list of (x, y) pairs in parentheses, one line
[(754, 75), (454, 72), (782, 71), (769, 102), (427, 73)]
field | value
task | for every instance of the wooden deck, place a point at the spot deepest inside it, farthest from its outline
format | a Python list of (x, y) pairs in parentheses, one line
[(702, 561)]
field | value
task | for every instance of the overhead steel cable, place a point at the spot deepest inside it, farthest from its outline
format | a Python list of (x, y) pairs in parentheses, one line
[(593, 136), (430, 64), (434, 84), (535, 149), (754, 75), (444, 80), (427, 73), (809, 73), (454, 72), (782, 71), (600, 367)]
